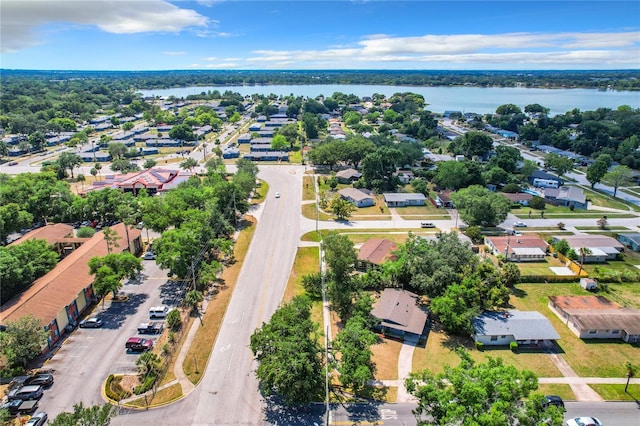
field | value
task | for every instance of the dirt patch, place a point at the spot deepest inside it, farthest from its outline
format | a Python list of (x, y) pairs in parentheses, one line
[(129, 381)]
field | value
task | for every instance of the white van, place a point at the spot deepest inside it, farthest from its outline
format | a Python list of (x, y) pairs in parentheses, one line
[(158, 312)]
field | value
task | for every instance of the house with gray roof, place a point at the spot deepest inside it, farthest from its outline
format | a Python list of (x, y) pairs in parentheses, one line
[(399, 313), (568, 196), (600, 247), (404, 199), (631, 240), (494, 328), (357, 197), (348, 176)]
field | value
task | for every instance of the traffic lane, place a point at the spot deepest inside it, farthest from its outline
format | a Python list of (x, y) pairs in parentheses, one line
[(609, 413), (87, 356)]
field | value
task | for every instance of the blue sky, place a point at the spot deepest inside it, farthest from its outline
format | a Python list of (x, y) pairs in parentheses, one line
[(213, 34)]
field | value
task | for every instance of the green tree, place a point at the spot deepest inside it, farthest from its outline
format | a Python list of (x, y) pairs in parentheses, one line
[(474, 143), (632, 370), (22, 340), (174, 321), (481, 207), (342, 208), (149, 364), (509, 274), (597, 170), (96, 415), (617, 177), (485, 394), (451, 174), (475, 233), (182, 132), (22, 264), (508, 109), (110, 270), (562, 247), (340, 257), (190, 163), (279, 143), (288, 354), (528, 167), (69, 160), (111, 237), (37, 141), (559, 163), (537, 203), (85, 232), (354, 342), (149, 163), (192, 299), (12, 219), (117, 150)]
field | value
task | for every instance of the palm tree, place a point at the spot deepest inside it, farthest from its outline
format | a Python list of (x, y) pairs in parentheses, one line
[(631, 371), (148, 364), (584, 252), (192, 299)]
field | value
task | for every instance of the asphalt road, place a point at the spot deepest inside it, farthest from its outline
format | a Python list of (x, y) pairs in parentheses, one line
[(87, 356)]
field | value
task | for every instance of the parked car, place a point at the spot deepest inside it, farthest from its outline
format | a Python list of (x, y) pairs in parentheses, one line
[(149, 256), (92, 322), (427, 225), (138, 344), (553, 400), (26, 393), (277, 195), (584, 421), (39, 379), (151, 327), (519, 225), (37, 419), (158, 312), (18, 406)]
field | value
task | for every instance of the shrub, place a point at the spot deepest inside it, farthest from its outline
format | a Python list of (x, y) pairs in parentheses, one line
[(8, 372), (113, 389), (174, 321), (513, 346), (85, 232), (537, 203), (479, 346), (146, 384)]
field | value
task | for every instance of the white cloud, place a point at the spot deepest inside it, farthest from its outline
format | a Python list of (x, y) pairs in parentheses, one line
[(21, 19), (509, 49), (210, 58), (177, 53)]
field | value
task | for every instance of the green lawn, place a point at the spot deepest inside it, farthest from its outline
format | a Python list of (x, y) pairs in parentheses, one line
[(589, 358), (605, 200), (617, 393), (563, 391), (539, 268), (308, 189)]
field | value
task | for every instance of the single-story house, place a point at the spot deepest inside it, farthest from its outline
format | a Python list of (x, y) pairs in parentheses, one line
[(267, 156), (59, 297), (348, 176), (405, 176), (255, 127), (520, 248), (600, 247), (261, 147), (374, 252), (403, 199), (519, 198), (596, 317), (399, 313), (244, 138), (154, 180), (258, 141), (568, 196), (357, 197), (524, 327), (231, 153), (631, 240), (99, 156), (443, 199)]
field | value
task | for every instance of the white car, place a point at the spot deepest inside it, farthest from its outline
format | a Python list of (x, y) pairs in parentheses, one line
[(519, 225), (584, 421), (277, 195), (149, 255)]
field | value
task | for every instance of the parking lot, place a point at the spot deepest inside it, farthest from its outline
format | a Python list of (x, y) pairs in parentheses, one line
[(88, 355)]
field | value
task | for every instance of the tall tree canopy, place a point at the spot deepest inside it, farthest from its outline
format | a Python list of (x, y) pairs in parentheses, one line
[(479, 206)]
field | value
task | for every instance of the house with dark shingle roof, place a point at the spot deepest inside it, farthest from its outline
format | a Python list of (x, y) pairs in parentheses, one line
[(502, 328), (399, 313), (348, 176)]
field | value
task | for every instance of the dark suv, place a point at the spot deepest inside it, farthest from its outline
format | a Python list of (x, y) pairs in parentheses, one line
[(550, 400)]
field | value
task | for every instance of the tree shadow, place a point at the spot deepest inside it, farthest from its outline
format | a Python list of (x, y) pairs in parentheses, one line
[(172, 291), (117, 313), (278, 413)]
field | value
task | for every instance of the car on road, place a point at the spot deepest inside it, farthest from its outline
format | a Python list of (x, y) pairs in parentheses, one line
[(427, 225), (584, 421), (92, 322), (553, 400), (149, 256), (37, 419), (26, 393), (138, 344), (519, 225), (277, 195)]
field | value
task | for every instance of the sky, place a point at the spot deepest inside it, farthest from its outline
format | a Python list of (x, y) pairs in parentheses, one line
[(333, 34)]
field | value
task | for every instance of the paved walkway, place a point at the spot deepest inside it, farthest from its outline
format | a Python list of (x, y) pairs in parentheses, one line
[(580, 389)]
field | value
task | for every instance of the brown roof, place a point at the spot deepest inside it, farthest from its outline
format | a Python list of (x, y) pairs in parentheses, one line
[(51, 233), (590, 241), (377, 250), (397, 309), (582, 302), (627, 319), (520, 196), (518, 241), (50, 293)]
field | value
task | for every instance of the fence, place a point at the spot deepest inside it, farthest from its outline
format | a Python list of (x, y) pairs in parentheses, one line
[(575, 268)]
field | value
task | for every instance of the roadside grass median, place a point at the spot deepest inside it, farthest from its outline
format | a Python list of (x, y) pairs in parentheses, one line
[(563, 391), (161, 397), (260, 193), (195, 362), (615, 392)]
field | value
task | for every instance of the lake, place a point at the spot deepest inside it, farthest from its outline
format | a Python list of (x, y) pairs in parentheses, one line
[(439, 99)]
